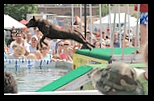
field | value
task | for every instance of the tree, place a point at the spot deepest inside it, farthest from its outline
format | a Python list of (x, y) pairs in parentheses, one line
[(104, 9), (19, 11)]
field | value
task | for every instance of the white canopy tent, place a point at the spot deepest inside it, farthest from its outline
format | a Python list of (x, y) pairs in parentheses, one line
[(9, 22), (106, 21)]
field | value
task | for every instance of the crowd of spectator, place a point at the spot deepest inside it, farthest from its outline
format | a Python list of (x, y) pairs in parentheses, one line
[(25, 44)]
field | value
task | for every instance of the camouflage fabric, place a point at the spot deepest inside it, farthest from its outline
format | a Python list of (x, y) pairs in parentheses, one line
[(117, 79)]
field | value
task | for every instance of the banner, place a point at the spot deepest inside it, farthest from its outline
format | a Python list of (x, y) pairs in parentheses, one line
[(79, 60)]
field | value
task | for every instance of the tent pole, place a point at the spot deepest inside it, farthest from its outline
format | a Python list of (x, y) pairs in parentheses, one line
[(109, 21), (119, 25), (100, 15), (81, 17), (124, 35), (90, 7), (85, 20), (114, 25), (136, 38), (72, 6), (128, 23)]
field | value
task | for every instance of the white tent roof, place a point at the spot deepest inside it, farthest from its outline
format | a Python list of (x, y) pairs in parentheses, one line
[(133, 22), (105, 20), (9, 22)]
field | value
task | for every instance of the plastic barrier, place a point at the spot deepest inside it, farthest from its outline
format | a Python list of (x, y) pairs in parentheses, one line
[(22, 63)]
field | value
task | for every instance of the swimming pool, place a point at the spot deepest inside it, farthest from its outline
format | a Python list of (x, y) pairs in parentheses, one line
[(30, 79)]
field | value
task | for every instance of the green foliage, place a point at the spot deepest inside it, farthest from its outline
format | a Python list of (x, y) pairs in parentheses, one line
[(104, 9), (19, 11)]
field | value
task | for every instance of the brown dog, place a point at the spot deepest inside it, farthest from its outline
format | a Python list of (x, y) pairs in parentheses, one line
[(50, 30)]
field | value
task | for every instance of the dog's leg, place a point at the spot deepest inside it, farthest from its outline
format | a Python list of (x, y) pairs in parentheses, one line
[(82, 39), (42, 41)]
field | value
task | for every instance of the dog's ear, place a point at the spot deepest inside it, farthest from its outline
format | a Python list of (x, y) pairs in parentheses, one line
[(34, 18)]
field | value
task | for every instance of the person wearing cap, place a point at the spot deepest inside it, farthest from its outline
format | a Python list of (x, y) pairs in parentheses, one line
[(34, 41)]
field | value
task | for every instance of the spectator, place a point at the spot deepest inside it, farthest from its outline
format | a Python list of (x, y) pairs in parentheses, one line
[(69, 54), (121, 79), (38, 55), (98, 37), (103, 44), (104, 36), (63, 53), (18, 53), (45, 50), (97, 44), (60, 47), (107, 43), (31, 56), (5, 49), (28, 37), (56, 57), (35, 29), (21, 42), (77, 45), (39, 34), (67, 43), (12, 37), (143, 76), (10, 85), (116, 42), (53, 45), (5, 38), (88, 35), (117, 79), (33, 46), (23, 35), (127, 44), (143, 21), (93, 39)]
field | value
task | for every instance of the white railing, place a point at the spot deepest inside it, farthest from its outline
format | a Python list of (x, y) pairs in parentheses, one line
[(23, 63)]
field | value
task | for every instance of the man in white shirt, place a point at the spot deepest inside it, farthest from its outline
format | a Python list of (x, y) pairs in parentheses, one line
[(19, 40), (53, 44)]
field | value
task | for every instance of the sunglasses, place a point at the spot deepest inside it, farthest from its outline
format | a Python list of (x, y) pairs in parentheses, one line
[(107, 45), (60, 45), (44, 48), (66, 44)]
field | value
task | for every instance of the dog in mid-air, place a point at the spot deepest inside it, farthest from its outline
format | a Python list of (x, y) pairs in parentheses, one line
[(51, 31)]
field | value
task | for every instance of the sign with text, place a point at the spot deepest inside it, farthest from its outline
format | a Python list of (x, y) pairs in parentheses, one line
[(79, 60)]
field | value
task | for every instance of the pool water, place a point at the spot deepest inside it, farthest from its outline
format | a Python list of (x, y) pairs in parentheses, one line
[(30, 80)]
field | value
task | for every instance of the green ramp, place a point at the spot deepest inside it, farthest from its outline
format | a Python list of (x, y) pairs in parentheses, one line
[(67, 78), (103, 53)]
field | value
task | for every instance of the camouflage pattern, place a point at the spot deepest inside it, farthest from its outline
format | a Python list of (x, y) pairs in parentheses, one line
[(117, 79)]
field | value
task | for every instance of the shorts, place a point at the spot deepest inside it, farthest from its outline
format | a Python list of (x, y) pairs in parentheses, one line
[(144, 18)]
